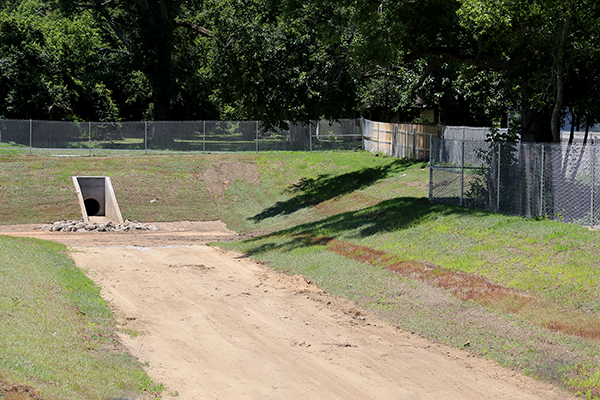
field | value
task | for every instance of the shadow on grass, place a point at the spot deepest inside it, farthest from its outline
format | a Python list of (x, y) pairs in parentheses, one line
[(387, 216), (309, 192)]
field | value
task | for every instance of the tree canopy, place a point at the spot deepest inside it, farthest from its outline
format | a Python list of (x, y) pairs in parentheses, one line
[(540, 48), (475, 62)]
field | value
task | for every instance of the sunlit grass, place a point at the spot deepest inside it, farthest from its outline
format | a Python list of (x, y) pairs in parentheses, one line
[(57, 334)]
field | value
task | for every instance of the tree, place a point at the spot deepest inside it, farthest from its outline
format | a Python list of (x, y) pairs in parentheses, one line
[(45, 73), (150, 34), (279, 61), (581, 95), (546, 38), (536, 43), (22, 91)]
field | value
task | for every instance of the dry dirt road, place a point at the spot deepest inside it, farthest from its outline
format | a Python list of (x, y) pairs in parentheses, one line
[(214, 325)]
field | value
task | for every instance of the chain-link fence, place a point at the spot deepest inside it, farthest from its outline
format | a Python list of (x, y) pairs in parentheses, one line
[(556, 181), (98, 138), (399, 140), (469, 132), (478, 133), (592, 137)]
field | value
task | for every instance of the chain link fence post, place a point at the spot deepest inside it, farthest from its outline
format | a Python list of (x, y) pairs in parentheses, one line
[(30, 135), (431, 165), (462, 173), (362, 132), (542, 183), (498, 179), (203, 136), (310, 136), (318, 133), (146, 137), (256, 136), (90, 138), (593, 167)]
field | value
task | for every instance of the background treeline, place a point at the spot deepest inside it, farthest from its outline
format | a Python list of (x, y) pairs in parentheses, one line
[(531, 65)]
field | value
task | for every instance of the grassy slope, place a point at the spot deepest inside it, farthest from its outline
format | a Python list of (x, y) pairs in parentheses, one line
[(57, 334), (346, 220), (235, 188)]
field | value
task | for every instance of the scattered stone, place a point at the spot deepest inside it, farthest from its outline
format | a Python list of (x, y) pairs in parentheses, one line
[(80, 226)]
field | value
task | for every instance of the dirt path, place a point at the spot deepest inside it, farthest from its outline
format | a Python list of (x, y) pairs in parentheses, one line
[(214, 325)]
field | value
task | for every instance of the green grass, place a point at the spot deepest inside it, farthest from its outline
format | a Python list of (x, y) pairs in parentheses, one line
[(57, 334), (10, 149), (521, 292), (233, 188)]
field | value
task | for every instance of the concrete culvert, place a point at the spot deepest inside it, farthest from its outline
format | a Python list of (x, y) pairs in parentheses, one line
[(97, 199)]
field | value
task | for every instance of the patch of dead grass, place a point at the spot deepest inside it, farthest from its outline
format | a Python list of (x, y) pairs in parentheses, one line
[(18, 392), (468, 287)]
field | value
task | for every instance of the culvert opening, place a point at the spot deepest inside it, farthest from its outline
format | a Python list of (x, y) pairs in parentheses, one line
[(92, 207), (97, 199)]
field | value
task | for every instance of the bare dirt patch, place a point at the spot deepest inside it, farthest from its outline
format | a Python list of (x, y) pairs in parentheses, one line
[(221, 176), (211, 325), (18, 392)]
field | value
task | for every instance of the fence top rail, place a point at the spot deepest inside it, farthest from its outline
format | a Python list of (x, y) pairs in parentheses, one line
[(518, 143), (332, 121)]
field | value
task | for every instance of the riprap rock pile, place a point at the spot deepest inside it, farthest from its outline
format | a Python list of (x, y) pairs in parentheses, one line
[(80, 226)]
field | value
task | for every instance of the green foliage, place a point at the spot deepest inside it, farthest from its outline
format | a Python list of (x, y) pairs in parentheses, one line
[(49, 68), (280, 62), (162, 41), (60, 61), (474, 61), (21, 87), (547, 44)]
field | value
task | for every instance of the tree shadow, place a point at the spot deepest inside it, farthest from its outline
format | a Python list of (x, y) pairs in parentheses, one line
[(312, 191), (387, 216)]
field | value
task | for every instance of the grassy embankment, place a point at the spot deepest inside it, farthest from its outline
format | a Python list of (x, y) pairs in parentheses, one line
[(57, 335), (521, 292)]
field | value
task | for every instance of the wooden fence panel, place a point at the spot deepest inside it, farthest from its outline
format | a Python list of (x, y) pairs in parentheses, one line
[(400, 140)]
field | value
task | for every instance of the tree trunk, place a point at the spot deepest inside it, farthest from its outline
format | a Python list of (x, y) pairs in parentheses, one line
[(535, 125), (162, 106), (157, 27), (560, 84), (572, 133)]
